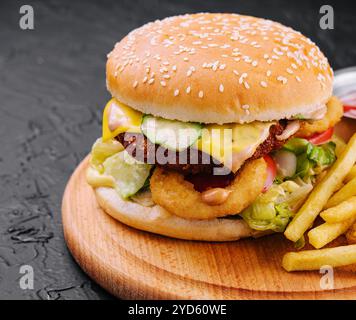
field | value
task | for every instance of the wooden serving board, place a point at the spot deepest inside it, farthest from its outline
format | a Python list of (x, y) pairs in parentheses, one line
[(133, 264)]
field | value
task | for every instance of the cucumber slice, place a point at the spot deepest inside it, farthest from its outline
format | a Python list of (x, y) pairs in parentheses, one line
[(129, 174), (171, 134)]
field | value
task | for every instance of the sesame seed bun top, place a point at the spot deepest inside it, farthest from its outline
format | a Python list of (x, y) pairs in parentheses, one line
[(219, 68)]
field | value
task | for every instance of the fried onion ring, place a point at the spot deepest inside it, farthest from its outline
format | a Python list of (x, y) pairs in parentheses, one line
[(172, 192), (332, 116)]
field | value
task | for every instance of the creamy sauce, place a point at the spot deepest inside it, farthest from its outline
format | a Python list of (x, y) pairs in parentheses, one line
[(118, 118), (292, 128), (215, 196)]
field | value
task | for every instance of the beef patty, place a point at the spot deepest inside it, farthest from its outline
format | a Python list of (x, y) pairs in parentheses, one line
[(194, 161)]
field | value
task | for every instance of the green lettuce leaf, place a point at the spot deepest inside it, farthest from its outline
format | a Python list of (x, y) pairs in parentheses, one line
[(296, 145), (100, 151), (129, 174), (274, 209), (311, 159), (323, 155)]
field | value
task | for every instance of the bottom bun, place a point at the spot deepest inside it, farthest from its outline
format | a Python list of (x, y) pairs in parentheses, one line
[(158, 220)]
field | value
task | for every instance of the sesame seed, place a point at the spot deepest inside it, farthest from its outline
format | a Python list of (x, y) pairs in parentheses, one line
[(145, 79), (221, 88), (268, 73), (247, 59), (263, 84), (269, 61), (298, 79), (254, 63), (222, 66), (186, 59), (135, 84), (244, 75), (174, 68), (163, 83), (245, 106), (282, 79), (151, 81), (235, 72), (201, 94), (276, 51), (188, 90), (189, 73), (290, 71), (247, 86), (166, 76), (176, 92)]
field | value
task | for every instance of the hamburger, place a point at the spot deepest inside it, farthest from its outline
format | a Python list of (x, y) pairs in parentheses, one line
[(218, 128)]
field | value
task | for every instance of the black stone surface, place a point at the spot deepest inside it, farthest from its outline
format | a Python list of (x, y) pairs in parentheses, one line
[(52, 91)]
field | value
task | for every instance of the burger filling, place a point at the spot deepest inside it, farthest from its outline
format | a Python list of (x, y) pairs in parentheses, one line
[(212, 156)]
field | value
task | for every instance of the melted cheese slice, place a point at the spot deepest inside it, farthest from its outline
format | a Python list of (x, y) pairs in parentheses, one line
[(233, 144), (118, 118)]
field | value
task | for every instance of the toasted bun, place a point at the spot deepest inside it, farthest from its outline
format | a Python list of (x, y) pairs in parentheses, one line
[(219, 68), (158, 220)]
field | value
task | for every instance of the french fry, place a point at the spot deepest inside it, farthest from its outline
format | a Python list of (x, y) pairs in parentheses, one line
[(351, 174), (347, 191), (351, 234), (343, 211), (327, 232), (322, 192), (315, 259), (339, 186), (340, 144)]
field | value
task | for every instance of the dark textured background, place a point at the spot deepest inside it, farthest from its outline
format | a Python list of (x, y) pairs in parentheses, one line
[(52, 91)]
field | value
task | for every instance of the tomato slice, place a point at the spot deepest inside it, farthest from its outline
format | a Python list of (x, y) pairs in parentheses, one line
[(320, 138), (271, 172), (350, 111)]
